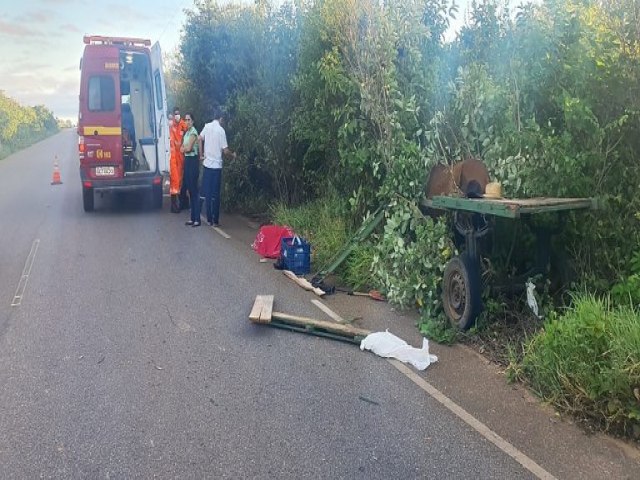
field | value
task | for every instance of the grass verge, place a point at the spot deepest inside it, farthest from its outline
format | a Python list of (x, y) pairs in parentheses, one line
[(318, 223), (586, 362)]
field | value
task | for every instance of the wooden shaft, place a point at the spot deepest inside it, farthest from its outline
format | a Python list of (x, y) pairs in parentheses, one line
[(328, 326)]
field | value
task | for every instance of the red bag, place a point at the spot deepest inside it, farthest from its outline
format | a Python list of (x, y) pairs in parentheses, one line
[(267, 242)]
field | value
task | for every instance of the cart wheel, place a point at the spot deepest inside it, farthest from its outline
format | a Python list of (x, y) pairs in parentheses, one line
[(461, 292)]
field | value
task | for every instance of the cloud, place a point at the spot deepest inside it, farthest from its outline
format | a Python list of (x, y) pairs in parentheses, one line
[(15, 30), (124, 10), (38, 16), (59, 96), (70, 28), (58, 2), (27, 66)]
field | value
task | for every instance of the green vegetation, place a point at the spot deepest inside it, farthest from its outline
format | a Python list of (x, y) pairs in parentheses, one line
[(628, 289), (318, 224), (22, 126), (358, 99), (586, 362)]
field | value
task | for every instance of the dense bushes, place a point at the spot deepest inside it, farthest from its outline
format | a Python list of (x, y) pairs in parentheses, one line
[(21, 126), (358, 99)]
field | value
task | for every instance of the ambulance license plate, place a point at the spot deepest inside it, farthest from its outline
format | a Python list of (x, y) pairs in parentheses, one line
[(105, 171)]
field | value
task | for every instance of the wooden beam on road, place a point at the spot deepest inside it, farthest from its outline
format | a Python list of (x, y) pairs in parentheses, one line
[(262, 312), (304, 283)]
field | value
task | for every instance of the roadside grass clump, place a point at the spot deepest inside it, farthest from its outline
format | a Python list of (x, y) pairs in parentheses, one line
[(586, 362), (319, 224), (628, 289), (358, 273), (438, 329)]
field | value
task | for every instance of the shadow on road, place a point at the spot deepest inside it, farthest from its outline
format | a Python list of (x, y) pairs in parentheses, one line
[(122, 202)]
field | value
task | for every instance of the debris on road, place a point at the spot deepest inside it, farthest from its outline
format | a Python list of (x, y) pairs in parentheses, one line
[(387, 345), (262, 312), (269, 239), (368, 400), (375, 294), (304, 283)]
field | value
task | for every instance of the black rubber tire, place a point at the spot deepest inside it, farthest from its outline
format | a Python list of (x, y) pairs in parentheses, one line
[(156, 193), (87, 199), (462, 292)]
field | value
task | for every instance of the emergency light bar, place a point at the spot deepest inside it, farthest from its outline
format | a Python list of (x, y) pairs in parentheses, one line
[(101, 40)]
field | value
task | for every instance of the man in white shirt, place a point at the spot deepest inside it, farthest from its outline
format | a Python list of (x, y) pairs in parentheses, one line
[(214, 151)]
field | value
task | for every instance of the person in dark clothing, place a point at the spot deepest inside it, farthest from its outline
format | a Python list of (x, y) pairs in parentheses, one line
[(190, 149), (213, 147)]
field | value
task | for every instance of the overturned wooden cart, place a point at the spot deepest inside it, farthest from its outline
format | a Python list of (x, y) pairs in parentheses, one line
[(472, 220), (462, 284)]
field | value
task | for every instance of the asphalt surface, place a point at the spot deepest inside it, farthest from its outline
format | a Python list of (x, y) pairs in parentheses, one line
[(131, 356)]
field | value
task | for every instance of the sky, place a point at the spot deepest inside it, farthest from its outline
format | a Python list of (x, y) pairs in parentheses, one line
[(41, 42)]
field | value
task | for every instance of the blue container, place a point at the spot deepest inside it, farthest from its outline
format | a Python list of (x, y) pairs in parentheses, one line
[(296, 255)]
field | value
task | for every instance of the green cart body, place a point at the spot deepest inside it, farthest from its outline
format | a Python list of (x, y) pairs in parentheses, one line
[(462, 285)]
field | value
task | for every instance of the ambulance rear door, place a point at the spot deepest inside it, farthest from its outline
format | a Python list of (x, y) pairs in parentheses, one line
[(100, 112), (160, 104)]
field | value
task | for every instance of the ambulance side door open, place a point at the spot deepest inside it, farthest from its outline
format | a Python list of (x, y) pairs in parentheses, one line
[(160, 105)]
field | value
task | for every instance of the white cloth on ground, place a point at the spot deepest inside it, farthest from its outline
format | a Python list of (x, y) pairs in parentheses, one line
[(387, 345)]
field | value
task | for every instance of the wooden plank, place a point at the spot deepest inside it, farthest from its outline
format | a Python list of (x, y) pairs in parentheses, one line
[(267, 307), (306, 284), (574, 204), (303, 283), (509, 207), (542, 201), (341, 329), (254, 316)]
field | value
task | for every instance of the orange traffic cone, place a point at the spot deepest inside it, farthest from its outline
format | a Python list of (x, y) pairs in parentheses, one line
[(56, 174)]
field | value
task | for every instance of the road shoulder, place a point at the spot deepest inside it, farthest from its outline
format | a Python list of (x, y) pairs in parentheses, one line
[(480, 388)]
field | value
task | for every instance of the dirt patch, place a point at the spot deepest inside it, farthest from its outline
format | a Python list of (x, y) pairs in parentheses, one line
[(257, 218), (503, 337)]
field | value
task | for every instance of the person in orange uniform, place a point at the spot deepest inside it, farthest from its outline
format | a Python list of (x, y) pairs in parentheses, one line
[(176, 131)]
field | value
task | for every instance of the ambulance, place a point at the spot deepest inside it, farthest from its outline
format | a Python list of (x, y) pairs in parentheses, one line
[(123, 137)]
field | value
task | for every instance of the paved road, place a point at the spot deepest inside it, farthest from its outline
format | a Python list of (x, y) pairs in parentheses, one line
[(131, 356)]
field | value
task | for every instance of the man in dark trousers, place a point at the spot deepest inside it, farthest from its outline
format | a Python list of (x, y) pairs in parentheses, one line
[(215, 149)]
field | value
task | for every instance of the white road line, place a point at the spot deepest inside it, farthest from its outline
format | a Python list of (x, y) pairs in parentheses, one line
[(217, 229), (221, 232), (473, 422), (457, 410), (328, 311), (26, 271)]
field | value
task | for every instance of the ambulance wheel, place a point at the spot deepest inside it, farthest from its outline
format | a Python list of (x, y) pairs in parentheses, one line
[(157, 196), (87, 199), (461, 292)]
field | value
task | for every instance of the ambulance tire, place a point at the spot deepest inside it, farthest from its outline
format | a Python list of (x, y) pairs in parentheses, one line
[(87, 199), (157, 196)]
